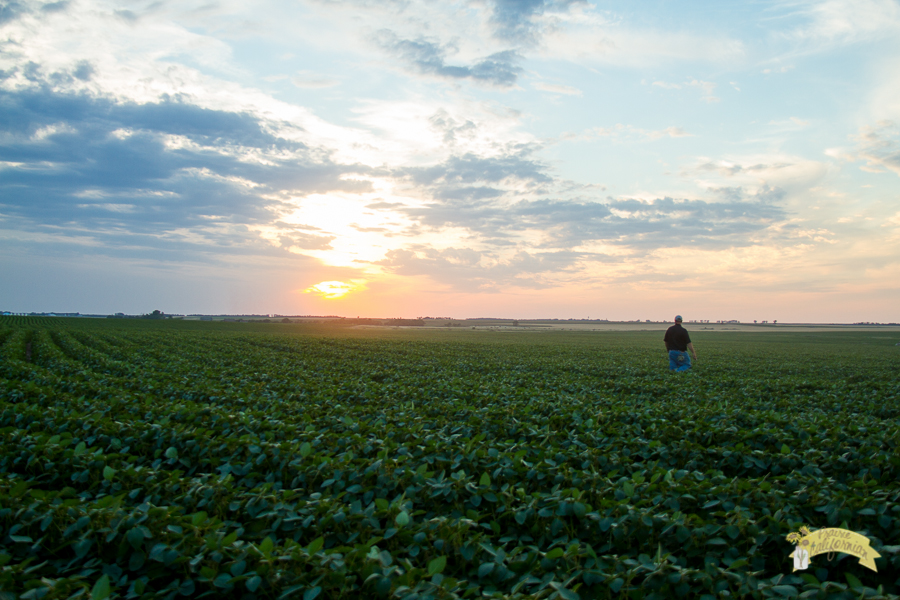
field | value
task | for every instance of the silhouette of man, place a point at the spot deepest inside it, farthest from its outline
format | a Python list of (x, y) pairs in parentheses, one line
[(678, 342)]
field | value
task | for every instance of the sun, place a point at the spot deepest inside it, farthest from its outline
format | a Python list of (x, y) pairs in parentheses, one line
[(330, 290)]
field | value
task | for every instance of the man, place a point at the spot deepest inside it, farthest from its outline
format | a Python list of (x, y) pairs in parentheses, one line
[(678, 342)]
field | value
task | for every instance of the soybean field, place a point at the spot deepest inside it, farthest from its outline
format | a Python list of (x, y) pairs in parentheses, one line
[(177, 459)]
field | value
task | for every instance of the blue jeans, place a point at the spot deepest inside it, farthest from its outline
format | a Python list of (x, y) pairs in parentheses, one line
[(679, 361)]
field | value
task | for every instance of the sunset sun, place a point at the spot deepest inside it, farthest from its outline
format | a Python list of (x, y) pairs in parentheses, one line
[(331, 289)]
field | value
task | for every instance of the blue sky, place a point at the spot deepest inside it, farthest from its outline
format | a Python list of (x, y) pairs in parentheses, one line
[(523, 159)]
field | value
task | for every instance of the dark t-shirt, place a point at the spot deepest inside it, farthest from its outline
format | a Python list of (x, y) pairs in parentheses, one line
[(677, 338)]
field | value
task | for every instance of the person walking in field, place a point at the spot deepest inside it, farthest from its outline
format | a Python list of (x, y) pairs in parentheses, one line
[(678, 342)]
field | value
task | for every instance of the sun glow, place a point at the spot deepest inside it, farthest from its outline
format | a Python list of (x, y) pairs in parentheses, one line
[(331, 290)]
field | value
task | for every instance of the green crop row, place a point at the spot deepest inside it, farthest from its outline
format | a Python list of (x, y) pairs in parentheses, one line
[(176, 461)]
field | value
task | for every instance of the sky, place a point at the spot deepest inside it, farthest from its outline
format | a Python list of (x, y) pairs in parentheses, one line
[(465, 158)]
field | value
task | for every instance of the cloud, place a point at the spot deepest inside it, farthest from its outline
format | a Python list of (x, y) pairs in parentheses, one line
[(532, 243), (382, 204), (451, 128), (849, 20), (469, 179), (558, 89), (511, 220), (470, 168), (300, 242), (728, 168), (523, 21), (310, 80), (84, 70), (126, 15), (429, 57), (706, 86), (662, 222), (480, 271), (10, 11), (152, 175), (794, 175), (593, 37), (674, 132), (477, 26), (629, 133), (54, 7), (722, 220), (879, 146)]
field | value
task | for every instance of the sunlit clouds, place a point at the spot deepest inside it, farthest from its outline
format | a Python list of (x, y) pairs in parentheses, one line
[(548, 158)]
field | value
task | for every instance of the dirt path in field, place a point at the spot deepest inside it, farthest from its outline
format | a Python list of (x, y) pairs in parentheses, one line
[(28, 352)]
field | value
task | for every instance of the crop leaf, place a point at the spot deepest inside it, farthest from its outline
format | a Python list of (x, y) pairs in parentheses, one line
[(788, 591), (312, 593), (315, 545), (267, 546), (555, 553), (253, 583), (855, 583), (100, 589), (437, 565), (135, 537)]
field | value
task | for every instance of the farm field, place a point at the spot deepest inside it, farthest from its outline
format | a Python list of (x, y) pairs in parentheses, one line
[(167, 459)]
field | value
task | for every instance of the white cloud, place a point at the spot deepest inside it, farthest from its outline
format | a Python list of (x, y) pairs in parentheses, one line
[(597, 41), (850, 20), (706, 86), (629, 133), (422, 130), (883, 102), (310, 80), (783, 179), (674, 132), (789, 124), (558, 89)]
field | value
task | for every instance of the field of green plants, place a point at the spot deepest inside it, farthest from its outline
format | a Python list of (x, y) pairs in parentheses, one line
[(176, 459)]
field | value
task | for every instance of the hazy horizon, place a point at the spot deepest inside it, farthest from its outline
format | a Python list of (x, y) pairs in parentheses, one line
[(518, 158), (666, 322)]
